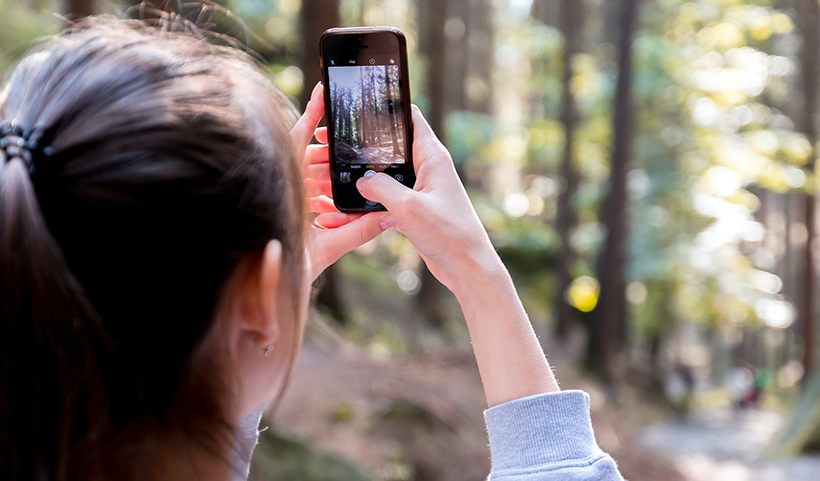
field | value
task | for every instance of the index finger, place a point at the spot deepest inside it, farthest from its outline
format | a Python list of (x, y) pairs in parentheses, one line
[(426, 145), (302, 132)]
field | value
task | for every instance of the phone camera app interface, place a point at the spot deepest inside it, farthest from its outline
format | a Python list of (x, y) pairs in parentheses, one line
[(367, 117)]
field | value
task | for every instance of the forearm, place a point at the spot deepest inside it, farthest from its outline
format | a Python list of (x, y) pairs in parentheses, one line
[(510, 359)]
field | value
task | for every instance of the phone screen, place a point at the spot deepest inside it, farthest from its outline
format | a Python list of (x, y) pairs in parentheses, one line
[(367, 103), (367, 114)]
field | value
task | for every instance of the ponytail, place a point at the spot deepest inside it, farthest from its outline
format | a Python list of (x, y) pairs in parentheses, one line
[(51, 396), (171, 166)]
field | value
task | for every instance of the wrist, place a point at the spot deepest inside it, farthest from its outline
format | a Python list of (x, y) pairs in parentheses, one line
[(479, 273)]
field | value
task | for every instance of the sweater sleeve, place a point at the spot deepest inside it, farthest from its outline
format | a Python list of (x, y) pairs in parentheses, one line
[(546, 437)]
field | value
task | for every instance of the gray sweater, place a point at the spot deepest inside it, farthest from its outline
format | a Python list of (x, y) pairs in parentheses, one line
[(547, 437)]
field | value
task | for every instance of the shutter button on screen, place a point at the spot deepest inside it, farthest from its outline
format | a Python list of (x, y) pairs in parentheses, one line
[(370, 203)]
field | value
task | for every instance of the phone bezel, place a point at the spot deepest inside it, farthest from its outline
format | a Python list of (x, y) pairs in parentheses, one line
[(404, 84)]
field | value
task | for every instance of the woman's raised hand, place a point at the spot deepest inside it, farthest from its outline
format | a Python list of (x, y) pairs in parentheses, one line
[(333, 233), (438, 218), (436, 215)]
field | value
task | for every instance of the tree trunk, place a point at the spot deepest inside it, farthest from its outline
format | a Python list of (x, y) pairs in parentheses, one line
[(391, 112), (364, 131), (546, 12), (810, 33), (457, 31), (572, 23), (377, 121), (609, 317), (315, 17), (76, 9), (480, 54), (433, 47)]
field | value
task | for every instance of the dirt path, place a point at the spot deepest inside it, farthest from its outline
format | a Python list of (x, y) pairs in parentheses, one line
[(726, 445), (419, 417)]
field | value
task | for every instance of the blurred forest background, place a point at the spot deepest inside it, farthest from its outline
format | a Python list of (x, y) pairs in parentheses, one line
[(646, 168)]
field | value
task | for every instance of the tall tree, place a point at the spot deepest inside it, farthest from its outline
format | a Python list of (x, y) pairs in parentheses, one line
[(457, 32), (433, 47), (609, 317), (75, 9), (391, 110), (546, 12), (478, 92), (572, 24), (469, 31), (809, 23), (432, 15), (315, 16)]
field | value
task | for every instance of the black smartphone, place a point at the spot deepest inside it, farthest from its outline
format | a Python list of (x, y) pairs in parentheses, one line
[(369, 119)]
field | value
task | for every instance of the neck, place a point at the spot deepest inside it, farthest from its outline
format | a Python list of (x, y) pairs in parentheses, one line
[(157, 451), (176, 457)]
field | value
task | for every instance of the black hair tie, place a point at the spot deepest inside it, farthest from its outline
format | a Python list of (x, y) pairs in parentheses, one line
[(16, 141)]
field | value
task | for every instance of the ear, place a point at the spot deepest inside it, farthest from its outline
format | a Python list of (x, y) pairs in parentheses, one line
[(259, 299)]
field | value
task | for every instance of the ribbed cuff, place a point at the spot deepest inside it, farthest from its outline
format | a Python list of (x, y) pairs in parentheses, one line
[(541, 430)]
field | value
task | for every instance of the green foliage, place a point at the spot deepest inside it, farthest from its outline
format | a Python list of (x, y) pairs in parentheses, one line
[(20, 26)]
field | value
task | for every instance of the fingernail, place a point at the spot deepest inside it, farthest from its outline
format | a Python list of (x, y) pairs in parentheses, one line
[(315, 90), (387, 222)]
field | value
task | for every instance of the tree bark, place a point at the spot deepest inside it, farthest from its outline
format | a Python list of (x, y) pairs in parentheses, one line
[(469, 57), (391, 112), (546, 12), (315, 17), (572, 24), (433, 47), (810, 33), (609, 317), (457, 35), (76, 9), (480, 54)]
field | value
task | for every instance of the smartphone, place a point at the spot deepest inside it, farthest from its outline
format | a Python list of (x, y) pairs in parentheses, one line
[(369, 119)]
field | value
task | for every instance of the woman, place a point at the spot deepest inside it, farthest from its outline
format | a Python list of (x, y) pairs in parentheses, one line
[(156, 259)]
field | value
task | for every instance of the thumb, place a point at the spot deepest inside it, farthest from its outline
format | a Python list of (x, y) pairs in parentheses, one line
[(384, 189), (338, 241)]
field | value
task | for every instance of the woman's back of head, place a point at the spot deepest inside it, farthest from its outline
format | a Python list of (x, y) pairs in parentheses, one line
[(155, 163)]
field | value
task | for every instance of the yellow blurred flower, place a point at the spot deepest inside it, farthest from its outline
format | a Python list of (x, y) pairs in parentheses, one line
[(583, 293)]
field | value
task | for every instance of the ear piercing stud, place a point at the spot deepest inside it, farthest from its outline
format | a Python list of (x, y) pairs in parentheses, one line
[(264, 351)]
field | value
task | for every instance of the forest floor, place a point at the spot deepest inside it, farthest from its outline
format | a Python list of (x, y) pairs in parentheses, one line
[(727, 445), (373, 155), (421, 417)]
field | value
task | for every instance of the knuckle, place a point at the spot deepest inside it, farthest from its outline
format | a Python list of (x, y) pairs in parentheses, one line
[(413, 203), (368, 233)]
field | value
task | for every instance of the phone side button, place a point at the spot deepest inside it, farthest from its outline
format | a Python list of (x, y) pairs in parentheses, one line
[(370, 203)]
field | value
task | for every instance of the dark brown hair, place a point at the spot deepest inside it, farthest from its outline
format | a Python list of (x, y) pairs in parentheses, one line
[(171, 164)]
